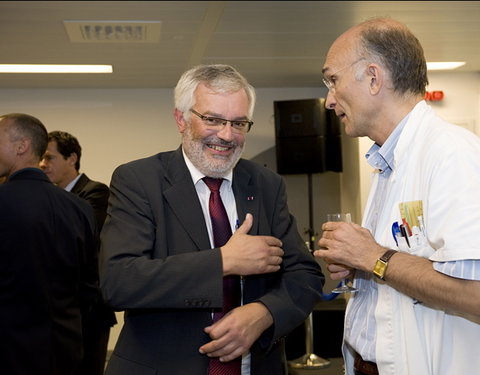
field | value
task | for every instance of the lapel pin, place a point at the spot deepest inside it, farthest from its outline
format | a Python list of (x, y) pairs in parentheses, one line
[(249, 198)]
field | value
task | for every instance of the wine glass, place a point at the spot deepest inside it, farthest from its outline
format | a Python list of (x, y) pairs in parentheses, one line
[(343, 287)]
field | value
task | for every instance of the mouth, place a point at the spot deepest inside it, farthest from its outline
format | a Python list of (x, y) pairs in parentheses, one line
[(219, 148)]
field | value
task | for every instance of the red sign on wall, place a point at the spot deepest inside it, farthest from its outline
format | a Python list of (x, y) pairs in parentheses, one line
[(434, 96)]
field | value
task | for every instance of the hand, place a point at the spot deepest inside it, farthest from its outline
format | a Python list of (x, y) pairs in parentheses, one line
[(348, 246), (339, 271), (245, 254), (235, 333)]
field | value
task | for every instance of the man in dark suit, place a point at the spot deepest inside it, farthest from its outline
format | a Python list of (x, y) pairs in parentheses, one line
[(158, 258), (47, 273), (61, 163)]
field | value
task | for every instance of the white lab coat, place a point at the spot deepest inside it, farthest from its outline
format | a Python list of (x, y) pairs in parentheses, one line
[(438, 164)]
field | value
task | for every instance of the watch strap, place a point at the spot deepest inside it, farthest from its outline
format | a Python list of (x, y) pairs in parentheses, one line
[(388, 254)]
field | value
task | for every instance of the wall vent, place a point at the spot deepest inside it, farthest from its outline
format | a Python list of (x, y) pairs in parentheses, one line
[(113, 31)]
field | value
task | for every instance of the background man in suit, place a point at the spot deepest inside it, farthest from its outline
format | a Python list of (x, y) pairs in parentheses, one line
[(61, 163), (48, 271), (158, 258)]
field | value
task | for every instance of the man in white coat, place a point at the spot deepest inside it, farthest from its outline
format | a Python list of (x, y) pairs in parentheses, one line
[(416, 258)]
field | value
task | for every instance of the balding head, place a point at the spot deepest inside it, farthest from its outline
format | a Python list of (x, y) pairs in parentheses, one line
[(391, 44), (23, 141)]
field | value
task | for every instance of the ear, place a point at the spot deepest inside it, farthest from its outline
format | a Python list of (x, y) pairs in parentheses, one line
[(376, 77), (23, 145), (181, 123), (72, 159)]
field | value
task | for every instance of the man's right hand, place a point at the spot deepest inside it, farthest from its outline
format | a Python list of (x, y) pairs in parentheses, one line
[(245, 254)]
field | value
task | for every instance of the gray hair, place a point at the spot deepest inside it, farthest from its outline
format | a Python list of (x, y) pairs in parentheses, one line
[(393, 45), (221, 78)]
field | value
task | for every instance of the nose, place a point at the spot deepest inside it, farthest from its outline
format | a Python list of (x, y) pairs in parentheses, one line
[(42, 164), (330, 102), (226, 133)]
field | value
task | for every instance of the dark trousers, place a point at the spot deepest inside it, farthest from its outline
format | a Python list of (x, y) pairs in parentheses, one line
[(95, 341)]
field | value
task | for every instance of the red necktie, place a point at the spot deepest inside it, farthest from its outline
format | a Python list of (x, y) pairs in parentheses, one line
[(231, 284)]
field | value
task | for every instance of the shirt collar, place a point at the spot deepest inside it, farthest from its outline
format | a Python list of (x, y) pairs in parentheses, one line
[(381, 157), (72, 183), (197, 175)]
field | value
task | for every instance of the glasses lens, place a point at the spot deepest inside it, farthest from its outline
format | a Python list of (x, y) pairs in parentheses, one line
[(213, 121), (327, 83)]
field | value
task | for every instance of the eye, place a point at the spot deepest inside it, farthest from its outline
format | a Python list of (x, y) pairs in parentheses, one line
[(213, 121), (239, 124)]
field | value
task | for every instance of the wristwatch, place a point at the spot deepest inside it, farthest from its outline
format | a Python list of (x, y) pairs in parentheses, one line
[(382, 263)]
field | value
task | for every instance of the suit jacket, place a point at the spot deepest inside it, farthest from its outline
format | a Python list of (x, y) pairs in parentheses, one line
[(47, 275), (158, 265), (96, 193)]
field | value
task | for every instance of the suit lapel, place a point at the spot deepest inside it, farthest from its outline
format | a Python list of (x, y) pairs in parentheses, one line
[(183, 200), (82, 181), (246, 195)]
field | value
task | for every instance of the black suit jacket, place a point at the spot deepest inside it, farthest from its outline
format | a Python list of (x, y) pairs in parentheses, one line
[(158, 265), (47, 275), (96, 193)]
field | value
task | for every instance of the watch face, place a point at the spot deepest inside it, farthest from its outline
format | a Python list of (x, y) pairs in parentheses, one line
[(380, 268)]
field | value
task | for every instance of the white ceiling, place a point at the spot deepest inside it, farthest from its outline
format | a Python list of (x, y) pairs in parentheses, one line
[(273, 43)]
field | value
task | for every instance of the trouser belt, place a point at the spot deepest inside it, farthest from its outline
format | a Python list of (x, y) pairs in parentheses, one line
[(363, 367)]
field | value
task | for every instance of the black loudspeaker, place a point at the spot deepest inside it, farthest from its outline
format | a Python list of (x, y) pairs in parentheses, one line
[(307, 137)]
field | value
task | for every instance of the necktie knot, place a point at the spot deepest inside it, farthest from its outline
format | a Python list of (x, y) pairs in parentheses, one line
[(213, 183)]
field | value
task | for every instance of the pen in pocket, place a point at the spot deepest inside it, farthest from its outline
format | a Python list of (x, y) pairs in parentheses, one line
[(404, 234)]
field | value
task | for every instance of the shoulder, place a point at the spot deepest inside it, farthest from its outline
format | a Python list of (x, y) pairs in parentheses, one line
[(257, 171), (156, 161), (443, 138), (90, 190), (249, 173), (86, 183)]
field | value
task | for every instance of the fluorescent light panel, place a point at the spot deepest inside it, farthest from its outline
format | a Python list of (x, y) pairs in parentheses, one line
[(45, 68), (445, 65)]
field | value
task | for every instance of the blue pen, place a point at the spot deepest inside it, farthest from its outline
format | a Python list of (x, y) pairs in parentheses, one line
[(396, 230)]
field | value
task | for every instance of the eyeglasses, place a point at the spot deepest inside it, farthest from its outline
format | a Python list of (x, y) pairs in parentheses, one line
[(330, 82), (239, 126)]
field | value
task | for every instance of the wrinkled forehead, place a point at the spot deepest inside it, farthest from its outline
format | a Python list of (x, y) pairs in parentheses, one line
[(343, 51), (5, 124)]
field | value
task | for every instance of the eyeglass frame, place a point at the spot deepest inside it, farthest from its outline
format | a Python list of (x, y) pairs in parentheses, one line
[(328, 81), (222, 121)]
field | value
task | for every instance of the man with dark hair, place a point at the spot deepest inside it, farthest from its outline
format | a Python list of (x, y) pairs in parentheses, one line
[(61, 163), (48, 272), (416, 257)]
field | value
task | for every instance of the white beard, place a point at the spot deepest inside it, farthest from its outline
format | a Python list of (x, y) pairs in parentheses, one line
[(216, 166)]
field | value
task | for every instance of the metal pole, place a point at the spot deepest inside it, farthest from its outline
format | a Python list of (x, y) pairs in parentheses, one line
[(309, 360)]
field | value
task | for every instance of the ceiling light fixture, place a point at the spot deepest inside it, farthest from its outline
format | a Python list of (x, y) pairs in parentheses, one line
[(56, 68), (446, 65), (112, 31)]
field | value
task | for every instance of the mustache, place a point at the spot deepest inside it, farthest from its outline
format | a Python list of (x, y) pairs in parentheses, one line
[(219, 141)]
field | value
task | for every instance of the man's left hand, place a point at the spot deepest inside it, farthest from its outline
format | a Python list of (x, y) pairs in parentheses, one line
[(234, 334)]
